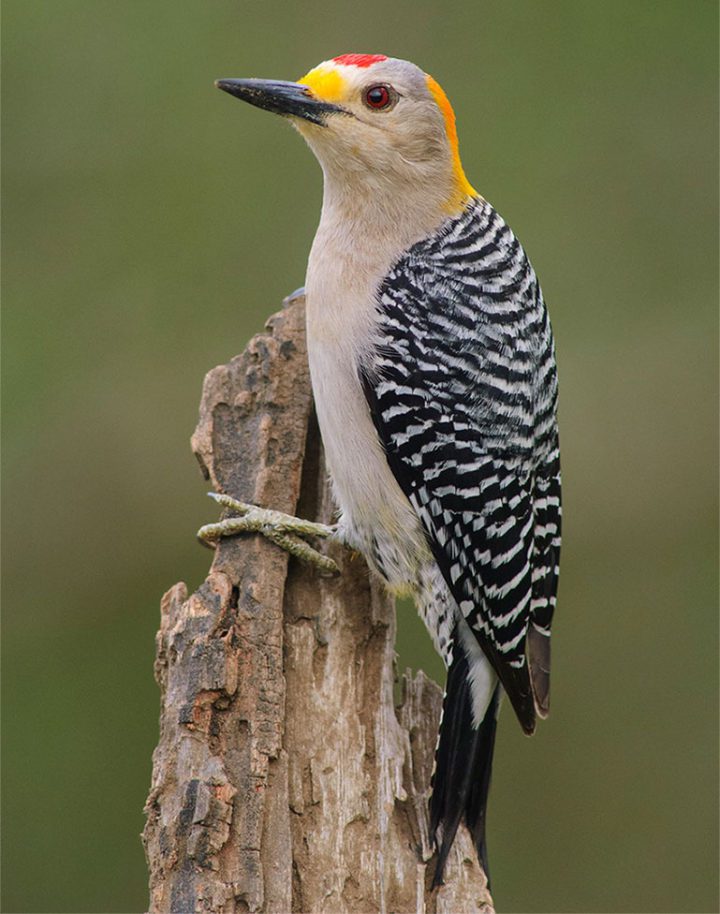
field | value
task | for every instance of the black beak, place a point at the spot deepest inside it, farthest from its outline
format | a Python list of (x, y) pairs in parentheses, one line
[(281, 98)]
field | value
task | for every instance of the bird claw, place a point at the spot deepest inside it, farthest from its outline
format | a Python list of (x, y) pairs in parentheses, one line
[(282, 529)]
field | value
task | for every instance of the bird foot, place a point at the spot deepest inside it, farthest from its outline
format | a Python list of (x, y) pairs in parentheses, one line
[(284, 530)]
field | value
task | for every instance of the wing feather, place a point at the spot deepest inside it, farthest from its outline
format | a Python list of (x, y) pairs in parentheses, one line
[(462, 389)]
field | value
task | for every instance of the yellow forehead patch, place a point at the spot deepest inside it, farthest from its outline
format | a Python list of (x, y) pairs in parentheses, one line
[(463, 188), (325, 82)]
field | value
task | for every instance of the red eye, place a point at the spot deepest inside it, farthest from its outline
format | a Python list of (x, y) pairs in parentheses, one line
[(377, 97)]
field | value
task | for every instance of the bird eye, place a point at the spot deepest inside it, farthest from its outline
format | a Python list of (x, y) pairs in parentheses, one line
[(378, 97)]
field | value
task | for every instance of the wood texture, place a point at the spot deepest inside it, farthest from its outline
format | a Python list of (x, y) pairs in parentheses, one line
[(286, 778)]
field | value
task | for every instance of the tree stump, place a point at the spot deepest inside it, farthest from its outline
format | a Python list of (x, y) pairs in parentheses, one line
[(286, 778)]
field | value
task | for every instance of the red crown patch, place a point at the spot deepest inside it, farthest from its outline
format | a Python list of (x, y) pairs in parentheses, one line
[(359, 60)]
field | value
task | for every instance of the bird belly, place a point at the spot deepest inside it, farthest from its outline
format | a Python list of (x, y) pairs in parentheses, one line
[(376, 517)]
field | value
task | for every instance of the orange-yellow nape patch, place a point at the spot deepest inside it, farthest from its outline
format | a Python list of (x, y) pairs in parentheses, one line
[(463, 188), (326, 83)]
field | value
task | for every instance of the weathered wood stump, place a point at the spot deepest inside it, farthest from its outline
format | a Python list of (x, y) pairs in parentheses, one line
[(285, 777)]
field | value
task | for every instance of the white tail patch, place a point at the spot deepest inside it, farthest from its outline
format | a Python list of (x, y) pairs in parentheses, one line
[(482, 675)]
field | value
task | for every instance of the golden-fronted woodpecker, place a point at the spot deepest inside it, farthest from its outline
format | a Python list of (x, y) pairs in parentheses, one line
[(434, 378)]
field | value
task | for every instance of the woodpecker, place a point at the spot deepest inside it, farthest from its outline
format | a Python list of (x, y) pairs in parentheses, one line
[(434, 378)]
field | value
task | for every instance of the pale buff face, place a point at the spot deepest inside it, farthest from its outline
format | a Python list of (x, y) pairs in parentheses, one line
[(405, 143)]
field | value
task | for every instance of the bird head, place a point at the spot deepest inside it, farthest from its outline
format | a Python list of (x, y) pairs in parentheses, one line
[(375, 123)]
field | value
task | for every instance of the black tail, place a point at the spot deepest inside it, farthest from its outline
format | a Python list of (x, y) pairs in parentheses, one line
[(463, 763)]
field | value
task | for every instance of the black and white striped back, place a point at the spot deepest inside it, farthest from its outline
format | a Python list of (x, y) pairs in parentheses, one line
[(462, 387)]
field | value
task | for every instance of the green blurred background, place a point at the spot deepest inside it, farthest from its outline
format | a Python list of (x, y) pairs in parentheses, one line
[(151, 226)]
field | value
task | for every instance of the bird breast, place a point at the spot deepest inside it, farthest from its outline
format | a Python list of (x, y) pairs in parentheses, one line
[(376, 517)]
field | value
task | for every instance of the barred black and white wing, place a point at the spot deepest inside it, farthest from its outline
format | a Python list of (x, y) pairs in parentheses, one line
[(462, 387)]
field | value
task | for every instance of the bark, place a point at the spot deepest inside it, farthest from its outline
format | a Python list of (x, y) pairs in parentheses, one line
[(286, 777)]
